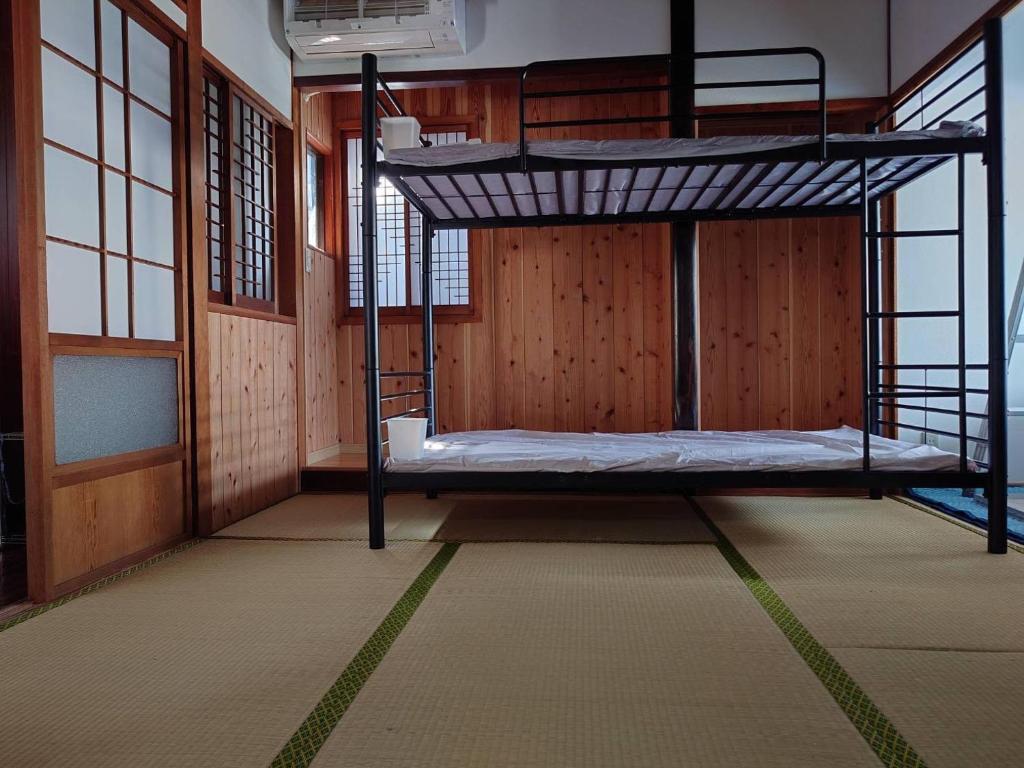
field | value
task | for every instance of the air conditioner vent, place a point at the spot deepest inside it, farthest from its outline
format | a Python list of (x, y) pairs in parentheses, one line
[(326, 29), (321, 10)]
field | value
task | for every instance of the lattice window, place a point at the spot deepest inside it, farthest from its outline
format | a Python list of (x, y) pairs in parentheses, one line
[(252, 186), (239, 197), (217, 204), (399, 228)]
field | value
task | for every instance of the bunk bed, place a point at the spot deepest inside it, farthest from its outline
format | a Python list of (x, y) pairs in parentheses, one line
[(576, 182)]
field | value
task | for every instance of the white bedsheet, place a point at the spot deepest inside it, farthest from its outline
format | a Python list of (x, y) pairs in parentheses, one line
[(516, 450)]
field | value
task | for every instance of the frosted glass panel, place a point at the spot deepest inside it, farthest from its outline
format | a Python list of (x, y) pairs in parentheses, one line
[(152, 225), (149, 68), (72, 198), (73, 290), (117, 296), (69, 104), (117, 212), (68, 26), (113, 127), (151, 147), (154, 302), (104, 406), (113, 64)]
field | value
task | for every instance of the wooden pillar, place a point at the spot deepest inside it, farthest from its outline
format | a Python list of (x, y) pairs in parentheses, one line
[(24, 237), (202, 453)]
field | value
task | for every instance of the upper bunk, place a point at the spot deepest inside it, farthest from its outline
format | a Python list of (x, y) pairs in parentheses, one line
[(545, 182)]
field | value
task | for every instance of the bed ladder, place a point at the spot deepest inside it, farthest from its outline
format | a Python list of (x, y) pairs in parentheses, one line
[(894, 394)]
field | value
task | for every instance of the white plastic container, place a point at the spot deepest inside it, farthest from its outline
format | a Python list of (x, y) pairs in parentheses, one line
[(406, 436), (399, 133)]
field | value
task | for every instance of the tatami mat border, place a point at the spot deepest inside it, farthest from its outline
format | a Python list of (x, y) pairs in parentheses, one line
[(975, 529), (304, 744), (881, 735), (40, 609)]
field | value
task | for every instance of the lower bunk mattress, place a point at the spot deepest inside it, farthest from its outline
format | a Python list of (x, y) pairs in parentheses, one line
[(516, 450)]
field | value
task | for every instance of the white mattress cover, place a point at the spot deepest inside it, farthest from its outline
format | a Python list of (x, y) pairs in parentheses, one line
[(651, 149), (516, 450)]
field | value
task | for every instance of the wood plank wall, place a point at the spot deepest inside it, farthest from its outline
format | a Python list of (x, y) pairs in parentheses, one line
[(252, 414), (780, 323), (575, 323), (320, 304)]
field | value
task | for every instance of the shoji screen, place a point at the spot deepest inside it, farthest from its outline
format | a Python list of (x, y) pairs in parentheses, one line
[(111, 240), (107, 127)]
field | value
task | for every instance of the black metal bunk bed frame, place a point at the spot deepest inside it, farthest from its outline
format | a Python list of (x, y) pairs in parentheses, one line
[(833, 159)]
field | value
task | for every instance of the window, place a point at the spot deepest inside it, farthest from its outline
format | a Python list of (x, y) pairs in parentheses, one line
[(239, 198), (111, 193), (315, 230), (399, 228)]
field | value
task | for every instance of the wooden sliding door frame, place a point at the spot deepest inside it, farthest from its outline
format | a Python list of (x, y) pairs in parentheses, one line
[(26, 212)]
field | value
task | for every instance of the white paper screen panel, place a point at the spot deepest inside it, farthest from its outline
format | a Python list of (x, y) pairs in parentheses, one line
[(109, 405), (109, 202)]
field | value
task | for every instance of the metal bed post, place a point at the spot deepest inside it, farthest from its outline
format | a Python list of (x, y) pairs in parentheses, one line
[(961, 305), (874, 345), (374, 447), (867, 320), (427, 297), (997, 466)]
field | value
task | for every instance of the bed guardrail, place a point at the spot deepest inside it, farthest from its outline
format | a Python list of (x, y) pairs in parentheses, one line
[(654, 62), (958, 86)]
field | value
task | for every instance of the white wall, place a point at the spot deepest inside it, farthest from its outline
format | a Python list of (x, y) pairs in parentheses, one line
[(248, 37), (510, 33), (922, 28)]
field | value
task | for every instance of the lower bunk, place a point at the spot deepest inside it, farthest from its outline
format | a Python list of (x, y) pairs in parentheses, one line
[(673, 462)]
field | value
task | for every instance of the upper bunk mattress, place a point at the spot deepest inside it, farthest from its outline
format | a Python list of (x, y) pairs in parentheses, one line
[(632, 150), (516, 450)]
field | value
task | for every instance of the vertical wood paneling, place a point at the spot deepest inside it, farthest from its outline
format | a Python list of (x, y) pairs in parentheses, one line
[(217, 479), (253, 410), (805, 300), (773, 326), (599, 329)]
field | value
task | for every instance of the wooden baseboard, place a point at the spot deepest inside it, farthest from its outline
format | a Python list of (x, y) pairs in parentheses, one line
[(324, 453)]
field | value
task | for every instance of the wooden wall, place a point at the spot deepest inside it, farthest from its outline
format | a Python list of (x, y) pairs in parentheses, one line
[(253, 415), (780, 324), (575, 328), (320, 350)]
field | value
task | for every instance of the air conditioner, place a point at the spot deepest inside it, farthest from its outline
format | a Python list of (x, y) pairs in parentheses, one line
[(335, 29)]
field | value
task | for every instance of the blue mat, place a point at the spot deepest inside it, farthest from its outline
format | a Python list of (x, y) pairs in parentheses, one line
[(972, 509)]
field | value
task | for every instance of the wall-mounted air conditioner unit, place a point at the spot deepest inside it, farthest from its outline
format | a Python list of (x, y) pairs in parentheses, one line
[(334, 29)]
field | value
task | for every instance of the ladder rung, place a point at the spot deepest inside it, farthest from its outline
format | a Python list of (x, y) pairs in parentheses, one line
[(897, 315), (915, 233), (898, 395), (399, 395)]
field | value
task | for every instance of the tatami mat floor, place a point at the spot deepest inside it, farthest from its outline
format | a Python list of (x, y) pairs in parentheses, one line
[(549, 645)]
